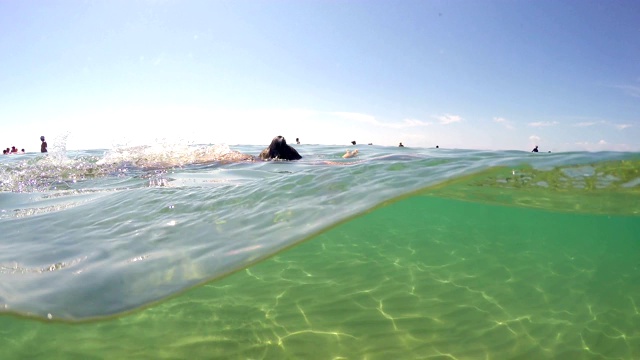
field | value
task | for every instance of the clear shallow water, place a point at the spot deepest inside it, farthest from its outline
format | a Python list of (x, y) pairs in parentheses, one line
[(485, 255)]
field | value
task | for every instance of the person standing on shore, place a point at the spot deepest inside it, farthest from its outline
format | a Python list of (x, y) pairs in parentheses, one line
[(43, 146)]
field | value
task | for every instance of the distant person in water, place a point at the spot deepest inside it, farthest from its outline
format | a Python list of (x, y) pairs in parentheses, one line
[(535, 149), (350, 154), (298, 141), (43, 146), (437, 147), (22, 151), (278, 149), (353, 142), (400, 145), (14, 150)]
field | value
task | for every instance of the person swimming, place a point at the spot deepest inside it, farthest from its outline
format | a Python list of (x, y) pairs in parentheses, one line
[(278, 149), (535, 149), (400, 145), (350, 154)]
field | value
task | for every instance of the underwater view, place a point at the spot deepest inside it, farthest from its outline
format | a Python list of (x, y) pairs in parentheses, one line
[(188, 251)]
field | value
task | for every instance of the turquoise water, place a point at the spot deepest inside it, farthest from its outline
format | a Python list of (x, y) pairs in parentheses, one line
[(398, 253)]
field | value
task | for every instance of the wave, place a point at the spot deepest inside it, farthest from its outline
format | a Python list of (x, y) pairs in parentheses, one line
[(93, 234)]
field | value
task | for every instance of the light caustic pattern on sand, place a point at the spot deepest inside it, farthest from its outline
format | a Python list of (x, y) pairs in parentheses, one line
[(423, 278), (443, 294)]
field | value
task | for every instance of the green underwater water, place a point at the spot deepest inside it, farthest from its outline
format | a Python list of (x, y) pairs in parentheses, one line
[(453, 272)]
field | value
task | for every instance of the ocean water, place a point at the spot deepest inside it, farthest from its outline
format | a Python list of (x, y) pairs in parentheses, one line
[(192, 251)]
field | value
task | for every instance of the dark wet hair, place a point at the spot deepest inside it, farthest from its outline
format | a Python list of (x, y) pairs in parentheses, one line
[(278, 149)]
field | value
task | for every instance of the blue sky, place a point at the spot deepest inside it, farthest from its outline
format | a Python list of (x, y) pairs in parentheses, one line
[(564, 75)]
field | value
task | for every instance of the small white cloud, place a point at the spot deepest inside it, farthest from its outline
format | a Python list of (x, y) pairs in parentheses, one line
[(602, 122), (631, 90), (506, 123), (603, 145), (543, 123), (356, 117), (371, 120), (587, 123), (158, 59), (447, 119), (534, 138), (415, 122)]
